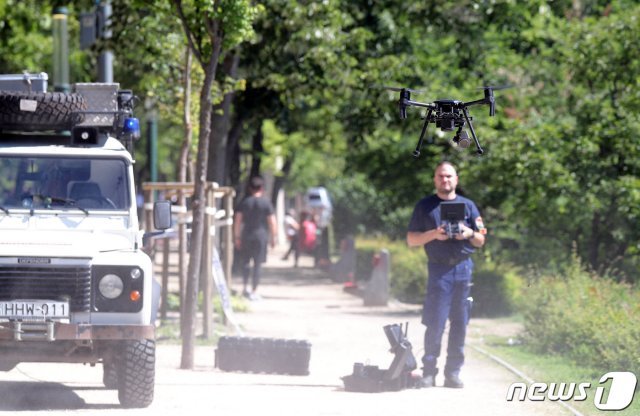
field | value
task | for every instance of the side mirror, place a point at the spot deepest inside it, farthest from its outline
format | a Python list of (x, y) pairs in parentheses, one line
[(162, 215)]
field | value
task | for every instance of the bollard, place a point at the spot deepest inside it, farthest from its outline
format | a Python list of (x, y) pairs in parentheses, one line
[(344, 269), (376, 292)]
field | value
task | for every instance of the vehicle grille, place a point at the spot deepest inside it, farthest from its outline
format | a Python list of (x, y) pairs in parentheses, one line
[(56, 282)]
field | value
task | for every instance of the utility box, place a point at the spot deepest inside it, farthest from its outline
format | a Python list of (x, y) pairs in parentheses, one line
[(24, 82)]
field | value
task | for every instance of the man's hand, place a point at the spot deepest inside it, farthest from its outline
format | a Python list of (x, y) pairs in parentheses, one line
[(465, 233), (440, 233), (415, 239)]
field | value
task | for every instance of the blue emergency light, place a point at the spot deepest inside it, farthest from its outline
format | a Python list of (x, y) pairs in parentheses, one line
[(131, 128)]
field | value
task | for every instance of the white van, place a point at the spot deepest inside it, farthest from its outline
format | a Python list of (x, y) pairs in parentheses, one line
[(318, 202)]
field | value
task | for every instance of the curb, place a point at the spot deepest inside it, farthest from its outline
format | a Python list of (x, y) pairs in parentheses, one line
[(520, 374)]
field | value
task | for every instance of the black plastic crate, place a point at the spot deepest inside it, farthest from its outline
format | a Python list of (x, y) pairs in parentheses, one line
[(263, 355)]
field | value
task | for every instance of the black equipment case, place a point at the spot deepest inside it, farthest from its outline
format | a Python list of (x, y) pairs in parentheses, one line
[(372, 379), (263, 355)]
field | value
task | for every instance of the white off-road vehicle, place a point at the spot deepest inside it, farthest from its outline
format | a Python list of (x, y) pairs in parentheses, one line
[(75, 285)]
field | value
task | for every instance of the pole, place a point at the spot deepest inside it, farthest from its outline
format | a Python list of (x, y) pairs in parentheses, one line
[(152, 144), (60, 50), (105, 59)]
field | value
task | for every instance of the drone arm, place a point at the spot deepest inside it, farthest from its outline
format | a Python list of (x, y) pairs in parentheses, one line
[(418, 104), (488, 99), (476, 102), (416, 153), (473, 132)]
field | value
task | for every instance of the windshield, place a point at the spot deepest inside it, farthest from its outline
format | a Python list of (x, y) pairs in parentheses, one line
[(59, 183)]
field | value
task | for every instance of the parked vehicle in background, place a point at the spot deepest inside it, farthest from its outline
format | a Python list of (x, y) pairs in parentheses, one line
[(317, 202)]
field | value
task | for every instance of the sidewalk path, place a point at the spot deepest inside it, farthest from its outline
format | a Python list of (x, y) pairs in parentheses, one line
[(305, 304), (300, 303)]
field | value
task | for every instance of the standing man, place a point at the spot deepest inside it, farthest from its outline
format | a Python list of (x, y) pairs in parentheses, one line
[(254, 226), (450, 268)]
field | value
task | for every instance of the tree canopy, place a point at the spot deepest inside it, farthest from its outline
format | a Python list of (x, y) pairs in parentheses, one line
[(305, 101)]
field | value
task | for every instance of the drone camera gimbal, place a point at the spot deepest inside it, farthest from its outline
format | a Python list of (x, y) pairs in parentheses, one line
[(447, 115)]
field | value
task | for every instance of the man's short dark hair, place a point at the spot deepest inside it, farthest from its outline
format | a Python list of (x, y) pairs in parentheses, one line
[(256, 183)]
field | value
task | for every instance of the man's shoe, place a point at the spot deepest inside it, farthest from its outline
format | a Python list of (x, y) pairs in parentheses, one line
[(426, 382), (453, 382)]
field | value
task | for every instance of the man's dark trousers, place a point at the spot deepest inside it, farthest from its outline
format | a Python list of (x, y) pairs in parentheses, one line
[(447, 297)]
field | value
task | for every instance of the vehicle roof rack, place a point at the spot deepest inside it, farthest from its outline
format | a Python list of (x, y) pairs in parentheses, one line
[(89, 110), (109, 109)]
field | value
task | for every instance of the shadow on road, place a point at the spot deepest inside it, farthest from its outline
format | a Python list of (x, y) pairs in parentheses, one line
[(31, 395), (297, 276)]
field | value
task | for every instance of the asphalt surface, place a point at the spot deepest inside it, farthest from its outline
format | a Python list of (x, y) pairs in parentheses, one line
[(303, 304)]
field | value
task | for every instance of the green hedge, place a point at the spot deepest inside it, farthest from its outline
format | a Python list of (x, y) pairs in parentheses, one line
[(495, 289), (592, 320)]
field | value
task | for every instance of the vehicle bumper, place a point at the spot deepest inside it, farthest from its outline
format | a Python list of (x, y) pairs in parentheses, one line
[(58, 331)]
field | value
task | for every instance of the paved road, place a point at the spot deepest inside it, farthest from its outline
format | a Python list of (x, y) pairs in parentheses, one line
[(296, 304)]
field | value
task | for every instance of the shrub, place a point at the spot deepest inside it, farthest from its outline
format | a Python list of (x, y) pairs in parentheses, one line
[(591, 320), (496, 289)]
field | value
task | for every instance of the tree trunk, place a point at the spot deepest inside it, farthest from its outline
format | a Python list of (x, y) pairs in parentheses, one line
[(220, 120), (183, 163), (233, 152), (281, 179), (198, 207), (256, 151), (594, 243)]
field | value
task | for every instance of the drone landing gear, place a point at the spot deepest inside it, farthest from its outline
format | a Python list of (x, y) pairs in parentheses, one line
[(465, 112), (416, 153), (473, 132)]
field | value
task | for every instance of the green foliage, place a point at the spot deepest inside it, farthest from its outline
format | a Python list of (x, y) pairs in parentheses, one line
[(26, 39), (593, 321), (496, 289), (567, 171), (359, 208), (562, 157)]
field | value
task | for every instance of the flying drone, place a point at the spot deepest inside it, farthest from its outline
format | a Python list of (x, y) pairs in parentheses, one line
[(447, 115)]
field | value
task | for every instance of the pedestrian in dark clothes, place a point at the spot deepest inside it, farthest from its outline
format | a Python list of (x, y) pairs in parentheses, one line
[(254, 227)]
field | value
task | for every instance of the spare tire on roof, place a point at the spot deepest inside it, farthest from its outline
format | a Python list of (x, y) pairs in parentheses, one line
[(40, 110)]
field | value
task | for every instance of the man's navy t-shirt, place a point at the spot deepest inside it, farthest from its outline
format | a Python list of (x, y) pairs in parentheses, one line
[(426, 216)]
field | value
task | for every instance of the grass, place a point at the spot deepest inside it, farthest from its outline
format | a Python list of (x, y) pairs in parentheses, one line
[(556, 369), (168, 332)]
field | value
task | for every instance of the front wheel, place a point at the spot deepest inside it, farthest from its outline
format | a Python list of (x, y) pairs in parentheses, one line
[(109, 375), (136, 373)]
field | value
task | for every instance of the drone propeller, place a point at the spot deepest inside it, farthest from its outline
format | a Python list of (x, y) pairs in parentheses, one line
[(399, 89), (495, 87), (405, 96), (488, 96)]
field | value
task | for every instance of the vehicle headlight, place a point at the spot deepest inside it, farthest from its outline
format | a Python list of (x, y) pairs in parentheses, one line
[(111, 286)]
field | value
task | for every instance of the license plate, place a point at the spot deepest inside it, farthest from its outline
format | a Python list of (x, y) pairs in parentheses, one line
[(34, 309)]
